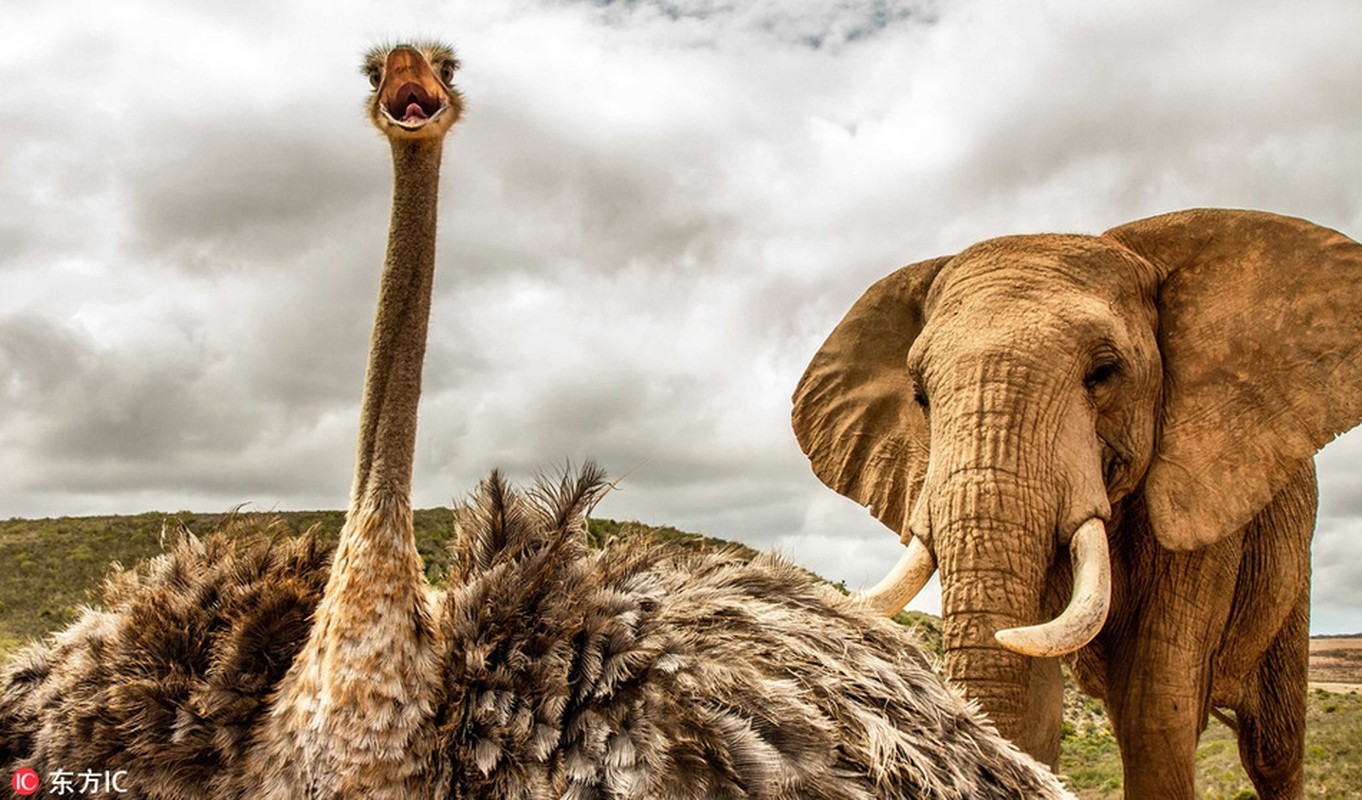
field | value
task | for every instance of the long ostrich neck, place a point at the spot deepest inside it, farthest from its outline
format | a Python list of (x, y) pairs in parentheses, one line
[(372, 617), (354, 710), (392, 385)]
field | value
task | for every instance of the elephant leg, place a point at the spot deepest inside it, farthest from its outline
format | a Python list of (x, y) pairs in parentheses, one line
[(1272, 715), (1157, 725), (1159, 677)]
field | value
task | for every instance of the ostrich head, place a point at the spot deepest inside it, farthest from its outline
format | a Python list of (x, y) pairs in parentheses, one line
[(414, 95)]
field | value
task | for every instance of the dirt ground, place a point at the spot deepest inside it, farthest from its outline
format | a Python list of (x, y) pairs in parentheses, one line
[(1336, 664)]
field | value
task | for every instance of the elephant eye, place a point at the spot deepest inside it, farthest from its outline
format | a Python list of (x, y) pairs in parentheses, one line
[(920, 398), (1101, 373), (916, 378)]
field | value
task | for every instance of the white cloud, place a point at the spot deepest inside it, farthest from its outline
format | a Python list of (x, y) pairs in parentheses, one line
[(651, 216)]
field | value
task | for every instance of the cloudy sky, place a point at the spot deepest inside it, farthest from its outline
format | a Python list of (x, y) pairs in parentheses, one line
[(651, 217)]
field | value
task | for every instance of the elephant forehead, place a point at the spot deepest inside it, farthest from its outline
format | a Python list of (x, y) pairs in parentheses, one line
[(1073, 287), (1040, 267), (993, 315)]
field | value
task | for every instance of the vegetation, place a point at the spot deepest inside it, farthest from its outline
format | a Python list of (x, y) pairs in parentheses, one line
[(49, 568), (601, 531), (1333, 756)]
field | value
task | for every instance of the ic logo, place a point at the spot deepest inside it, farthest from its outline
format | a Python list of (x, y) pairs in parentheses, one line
[(25, 782)]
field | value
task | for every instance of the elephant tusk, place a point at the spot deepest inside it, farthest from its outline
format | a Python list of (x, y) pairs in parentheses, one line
[(1087, 610), (904, 581)]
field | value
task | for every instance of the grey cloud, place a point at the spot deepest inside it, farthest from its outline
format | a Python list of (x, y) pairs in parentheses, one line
[(1339, 467), (94, 418), (650, 221), (38, 359), (1341, 496), (20, 241), (1137, 119), (1337, 579), (95, 405), (46, 196), (813, 25), (214, 197), (554, 200)]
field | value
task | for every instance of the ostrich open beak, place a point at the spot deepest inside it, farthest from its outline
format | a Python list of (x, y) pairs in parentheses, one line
[(411, 96)]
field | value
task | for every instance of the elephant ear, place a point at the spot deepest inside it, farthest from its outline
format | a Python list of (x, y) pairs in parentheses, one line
[(1260, 329), (854, 414)]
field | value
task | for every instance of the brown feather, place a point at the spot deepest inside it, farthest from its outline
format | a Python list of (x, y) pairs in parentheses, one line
[(638, 671)]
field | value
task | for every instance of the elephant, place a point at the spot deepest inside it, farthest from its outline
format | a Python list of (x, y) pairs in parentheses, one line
[(1104, 444)]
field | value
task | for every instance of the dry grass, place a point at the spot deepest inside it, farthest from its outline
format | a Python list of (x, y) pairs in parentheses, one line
[(49, 568), (1333, 757), (1336, 659)]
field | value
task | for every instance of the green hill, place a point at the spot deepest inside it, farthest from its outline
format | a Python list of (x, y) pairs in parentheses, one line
[(51, 567)]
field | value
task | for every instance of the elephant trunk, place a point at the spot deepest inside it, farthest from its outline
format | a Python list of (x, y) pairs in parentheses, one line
[(1022, 696), (1014, 475), (1086, 613), (995, 546)]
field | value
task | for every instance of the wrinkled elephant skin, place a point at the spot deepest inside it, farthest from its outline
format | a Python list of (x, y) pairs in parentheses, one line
[(1172, 379)]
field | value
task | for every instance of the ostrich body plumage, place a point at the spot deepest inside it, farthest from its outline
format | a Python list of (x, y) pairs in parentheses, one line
[(637, 671)]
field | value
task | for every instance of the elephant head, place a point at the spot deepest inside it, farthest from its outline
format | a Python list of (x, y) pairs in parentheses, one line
[(1015, 402)]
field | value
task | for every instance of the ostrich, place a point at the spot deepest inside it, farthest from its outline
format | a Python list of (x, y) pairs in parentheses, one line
[(249, 664)]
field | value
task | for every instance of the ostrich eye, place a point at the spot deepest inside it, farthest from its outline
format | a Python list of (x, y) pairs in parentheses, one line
[(447, 72), (375, 77)]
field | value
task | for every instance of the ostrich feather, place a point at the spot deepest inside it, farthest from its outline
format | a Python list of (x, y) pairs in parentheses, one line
[(636, 671), (168, 678), (644, 671)]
